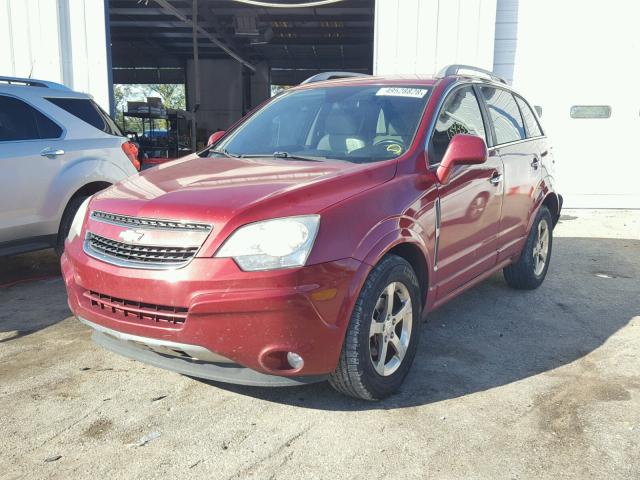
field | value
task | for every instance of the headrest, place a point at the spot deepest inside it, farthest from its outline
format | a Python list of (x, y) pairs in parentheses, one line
[(340, 122)]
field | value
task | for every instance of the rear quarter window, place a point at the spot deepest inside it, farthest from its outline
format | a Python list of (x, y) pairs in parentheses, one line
[(533, 127), (88, 111), (505, 115), (20, 121)]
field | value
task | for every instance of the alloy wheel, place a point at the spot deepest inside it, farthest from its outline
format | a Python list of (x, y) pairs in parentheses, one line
[(541, 248), (390, 330)]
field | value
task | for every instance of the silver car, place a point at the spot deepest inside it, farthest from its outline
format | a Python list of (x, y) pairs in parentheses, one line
[(57, 148)]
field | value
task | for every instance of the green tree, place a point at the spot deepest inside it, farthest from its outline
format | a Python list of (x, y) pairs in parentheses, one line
[(172, 95)]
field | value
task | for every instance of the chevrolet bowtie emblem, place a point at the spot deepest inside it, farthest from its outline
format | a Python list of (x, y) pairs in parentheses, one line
[(131, 236)]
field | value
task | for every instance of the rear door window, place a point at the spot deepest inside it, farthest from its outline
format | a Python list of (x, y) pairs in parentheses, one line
[(20, 121), (530, 122), (460, 114), (505, 115), (88, 111)]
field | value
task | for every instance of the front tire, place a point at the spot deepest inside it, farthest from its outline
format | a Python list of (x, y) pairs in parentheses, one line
[(531, 268), (382, 337)]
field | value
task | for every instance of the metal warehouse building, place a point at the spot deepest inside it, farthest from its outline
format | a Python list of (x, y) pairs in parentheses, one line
[(571, 58)]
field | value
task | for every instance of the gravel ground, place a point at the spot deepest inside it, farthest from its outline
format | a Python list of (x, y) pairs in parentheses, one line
[(506, 384)]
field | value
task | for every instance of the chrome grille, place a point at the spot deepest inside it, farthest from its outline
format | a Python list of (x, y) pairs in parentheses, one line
[(134, 310), (128, 254), (148, 223)]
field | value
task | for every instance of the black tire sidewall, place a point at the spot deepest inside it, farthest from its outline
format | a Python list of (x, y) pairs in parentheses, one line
[(67, 219)]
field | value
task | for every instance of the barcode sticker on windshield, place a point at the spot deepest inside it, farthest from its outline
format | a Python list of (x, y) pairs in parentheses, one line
[(402, 92)]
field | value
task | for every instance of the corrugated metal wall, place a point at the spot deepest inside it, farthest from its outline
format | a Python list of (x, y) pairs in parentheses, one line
[(506, 38), (422, 36), (59, 40)]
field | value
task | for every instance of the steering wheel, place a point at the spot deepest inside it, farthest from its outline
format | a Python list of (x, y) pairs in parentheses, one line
[(393, 146)]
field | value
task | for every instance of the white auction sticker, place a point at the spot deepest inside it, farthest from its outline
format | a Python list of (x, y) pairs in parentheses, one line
[(402, 92)]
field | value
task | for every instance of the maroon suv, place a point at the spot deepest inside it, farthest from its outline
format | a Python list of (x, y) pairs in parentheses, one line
[(311, 240)]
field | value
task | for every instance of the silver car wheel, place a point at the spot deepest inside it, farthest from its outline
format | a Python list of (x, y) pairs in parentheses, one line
[(541, 248), (390, 330)]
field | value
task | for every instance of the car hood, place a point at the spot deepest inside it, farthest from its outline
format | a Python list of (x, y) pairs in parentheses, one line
[(220, 189)]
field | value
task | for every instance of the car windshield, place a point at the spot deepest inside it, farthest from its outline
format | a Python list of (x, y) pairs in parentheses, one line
[(353, 123)]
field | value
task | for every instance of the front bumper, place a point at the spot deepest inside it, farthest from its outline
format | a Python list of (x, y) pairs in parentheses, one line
[(239, 325), (192, 361)]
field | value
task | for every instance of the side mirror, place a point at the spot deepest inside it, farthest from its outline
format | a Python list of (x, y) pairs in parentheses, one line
[(215, 137), (463, 149)]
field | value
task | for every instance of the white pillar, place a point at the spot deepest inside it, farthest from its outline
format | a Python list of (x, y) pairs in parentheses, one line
[(422, 36), (64, 41)]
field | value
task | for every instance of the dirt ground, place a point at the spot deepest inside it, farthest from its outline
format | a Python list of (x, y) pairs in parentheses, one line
[(506, 384)]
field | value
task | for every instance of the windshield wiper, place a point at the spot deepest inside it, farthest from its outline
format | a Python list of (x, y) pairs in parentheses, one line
[(226, 153), (296, 157)]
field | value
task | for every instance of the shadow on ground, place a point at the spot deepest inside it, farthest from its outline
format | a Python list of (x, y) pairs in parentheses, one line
[(492, 335), (488, 337), (32, 294)]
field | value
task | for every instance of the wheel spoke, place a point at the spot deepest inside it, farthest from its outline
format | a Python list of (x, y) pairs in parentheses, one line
[(376, 328), (390, 294), (543, 255), (404, 311), (398, 347), (382, 356)]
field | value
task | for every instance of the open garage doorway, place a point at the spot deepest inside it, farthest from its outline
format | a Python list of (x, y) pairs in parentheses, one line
[(245, 52)]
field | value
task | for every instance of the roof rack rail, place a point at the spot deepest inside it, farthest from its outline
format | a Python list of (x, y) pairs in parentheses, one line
[(321, 77), (32, 82), (473, 71)]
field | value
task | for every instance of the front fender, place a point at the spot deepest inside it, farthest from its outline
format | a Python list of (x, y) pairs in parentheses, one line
[(389, 234)]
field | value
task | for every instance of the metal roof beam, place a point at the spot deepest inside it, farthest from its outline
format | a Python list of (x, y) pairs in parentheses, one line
[(167, 7)]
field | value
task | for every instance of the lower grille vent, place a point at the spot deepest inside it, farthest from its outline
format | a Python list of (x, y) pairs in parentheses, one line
[(132, 309)]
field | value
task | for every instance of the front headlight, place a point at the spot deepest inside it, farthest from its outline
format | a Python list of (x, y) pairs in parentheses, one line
[(76, 225), (271, 244)]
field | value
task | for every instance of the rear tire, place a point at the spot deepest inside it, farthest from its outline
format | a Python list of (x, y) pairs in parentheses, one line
[(382, 337), (531, 268), (66, 221)]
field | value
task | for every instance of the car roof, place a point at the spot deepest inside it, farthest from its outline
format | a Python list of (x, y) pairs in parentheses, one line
[(373, 80), (28, 87)]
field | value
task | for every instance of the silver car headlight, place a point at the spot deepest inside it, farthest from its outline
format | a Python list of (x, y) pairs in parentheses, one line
[(272, 244), (76, 225)]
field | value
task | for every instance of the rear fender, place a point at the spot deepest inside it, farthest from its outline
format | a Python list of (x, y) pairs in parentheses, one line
[(542, 194)]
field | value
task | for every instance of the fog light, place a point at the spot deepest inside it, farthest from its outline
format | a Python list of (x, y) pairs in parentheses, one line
[(295, 360)]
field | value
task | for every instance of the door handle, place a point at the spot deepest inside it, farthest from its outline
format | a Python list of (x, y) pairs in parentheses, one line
[(496, 179), (535, 163), (50, 152)]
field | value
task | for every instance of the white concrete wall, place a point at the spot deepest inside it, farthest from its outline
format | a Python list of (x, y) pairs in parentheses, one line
[(422, 36), (58, 40), (572, 52)]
